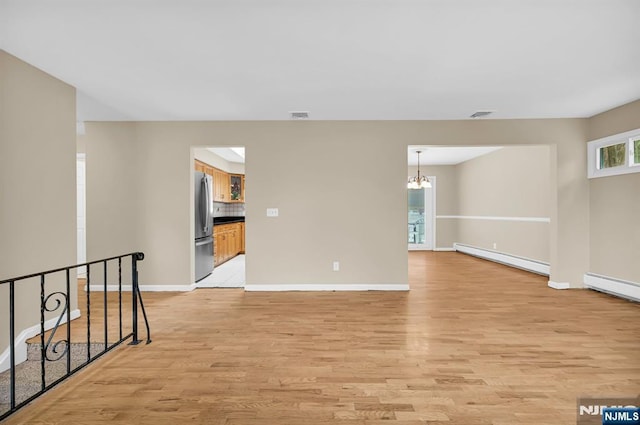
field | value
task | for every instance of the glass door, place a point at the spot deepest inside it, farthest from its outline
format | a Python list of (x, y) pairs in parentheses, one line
[(421, 217)]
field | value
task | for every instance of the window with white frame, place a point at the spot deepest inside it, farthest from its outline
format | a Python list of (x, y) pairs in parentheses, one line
[(613, 155), (634, 154)]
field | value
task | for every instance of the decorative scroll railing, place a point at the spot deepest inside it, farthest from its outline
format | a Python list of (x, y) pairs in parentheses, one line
[(65, 347)]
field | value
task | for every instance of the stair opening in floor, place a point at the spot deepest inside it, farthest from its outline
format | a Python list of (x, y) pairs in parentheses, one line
[(80, 320)]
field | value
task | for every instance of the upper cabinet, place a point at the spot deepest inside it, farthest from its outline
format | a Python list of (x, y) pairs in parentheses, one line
[(226, 187), (236, 187), (220, 186), (201, 166)]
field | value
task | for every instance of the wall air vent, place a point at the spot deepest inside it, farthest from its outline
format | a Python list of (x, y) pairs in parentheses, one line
[(480, 114), (299, 115)]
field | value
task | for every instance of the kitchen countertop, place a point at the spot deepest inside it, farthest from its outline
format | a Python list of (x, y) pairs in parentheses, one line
[(227, 220)]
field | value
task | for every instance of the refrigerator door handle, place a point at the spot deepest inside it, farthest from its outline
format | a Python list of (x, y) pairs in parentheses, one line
[(205, 241), (207, 187), (203, 212)]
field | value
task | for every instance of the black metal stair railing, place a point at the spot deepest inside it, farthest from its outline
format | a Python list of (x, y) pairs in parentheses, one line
[(58, 302)]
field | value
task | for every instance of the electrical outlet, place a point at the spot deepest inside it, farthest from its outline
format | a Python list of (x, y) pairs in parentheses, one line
[(272, 212), (495, 245), (336, 266)]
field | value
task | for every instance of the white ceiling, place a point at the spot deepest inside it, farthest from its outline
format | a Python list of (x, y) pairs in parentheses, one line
[(337, 59), (446, 155), (229, 154)]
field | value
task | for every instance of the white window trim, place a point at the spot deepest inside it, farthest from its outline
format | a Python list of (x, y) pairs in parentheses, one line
[(594, 146)]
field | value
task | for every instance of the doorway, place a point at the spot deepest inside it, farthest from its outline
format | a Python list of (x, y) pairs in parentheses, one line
[(225, 168), (421, 207)]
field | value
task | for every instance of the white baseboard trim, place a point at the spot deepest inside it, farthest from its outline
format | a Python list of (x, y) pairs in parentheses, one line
[(328, 287), (507, 259), (220, 285), (493, 218), (618, 287), (145, 288), (558, 285), (444, 249), (24, 335)]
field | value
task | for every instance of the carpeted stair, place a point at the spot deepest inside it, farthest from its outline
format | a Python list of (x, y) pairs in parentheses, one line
[(28, 373)]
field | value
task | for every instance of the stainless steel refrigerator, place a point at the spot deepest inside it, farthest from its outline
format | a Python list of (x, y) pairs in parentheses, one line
[(203, 197)]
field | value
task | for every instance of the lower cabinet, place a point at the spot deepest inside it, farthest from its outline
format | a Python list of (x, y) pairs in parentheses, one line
[(228, 241), (241, 238)]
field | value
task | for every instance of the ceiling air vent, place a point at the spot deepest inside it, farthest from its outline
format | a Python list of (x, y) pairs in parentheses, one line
[(480, 114), (299, 115)]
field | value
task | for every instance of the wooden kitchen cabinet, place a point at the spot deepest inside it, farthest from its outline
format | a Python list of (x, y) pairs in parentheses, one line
[(236, 239), (220, 186), (204, 168), (217, 249), (236, 188), (234, 247), (241, 238), (220, 245), (227, 187), (228, 241)]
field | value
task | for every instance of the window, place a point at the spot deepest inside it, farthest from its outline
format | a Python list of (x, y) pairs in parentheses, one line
[(635, 151), (613, 155)]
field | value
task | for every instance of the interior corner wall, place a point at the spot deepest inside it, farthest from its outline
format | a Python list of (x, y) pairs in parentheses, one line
[(570, 217), (510, 189), (37, 185), (614, 205), (446, 201)]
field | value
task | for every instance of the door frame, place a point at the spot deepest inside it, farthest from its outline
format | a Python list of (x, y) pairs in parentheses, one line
[(423, 247)]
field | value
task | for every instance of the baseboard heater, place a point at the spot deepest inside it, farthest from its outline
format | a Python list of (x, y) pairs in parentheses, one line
[(523, 263), (612, 286)]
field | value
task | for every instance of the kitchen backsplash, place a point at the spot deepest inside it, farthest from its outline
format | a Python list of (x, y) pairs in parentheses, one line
[(221, 209)]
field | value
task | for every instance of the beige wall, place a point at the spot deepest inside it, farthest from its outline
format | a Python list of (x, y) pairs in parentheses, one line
[(510, 182), (617, 120), (113, 190), (37, 184), (297, 171), (446, 201), (615, 227), (615, 205), (307, 170)]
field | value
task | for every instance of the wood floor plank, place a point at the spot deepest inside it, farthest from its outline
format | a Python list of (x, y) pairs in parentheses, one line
[(472, 343)]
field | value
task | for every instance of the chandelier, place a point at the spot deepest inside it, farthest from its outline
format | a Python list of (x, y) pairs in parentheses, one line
[(418, 182)]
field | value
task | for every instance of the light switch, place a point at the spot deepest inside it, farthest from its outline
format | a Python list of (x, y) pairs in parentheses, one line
[(272, 212)]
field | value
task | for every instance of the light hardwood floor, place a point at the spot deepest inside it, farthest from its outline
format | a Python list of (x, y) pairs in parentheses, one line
[(472, 343)]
